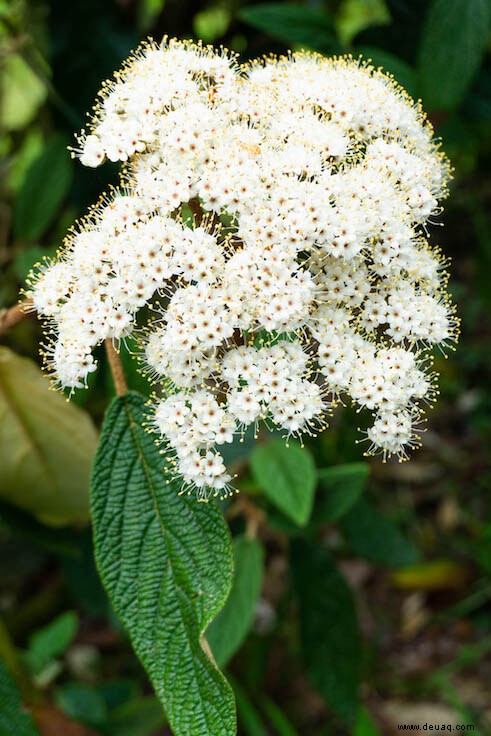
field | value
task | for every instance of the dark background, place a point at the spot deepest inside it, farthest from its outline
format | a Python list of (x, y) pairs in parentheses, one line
[(426, 634)]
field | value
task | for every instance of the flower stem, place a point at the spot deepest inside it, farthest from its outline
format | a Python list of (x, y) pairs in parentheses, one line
[(13, 315), (116, 366)]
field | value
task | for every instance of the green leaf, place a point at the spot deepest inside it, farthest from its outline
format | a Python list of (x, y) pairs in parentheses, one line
[(280, 523), (81, 703), (166, 562), (148, 12), (356, 15), (22, 93), (139, 717), (341, 487), (211, 23), (45, 185), (375, 537), (229, 629), (26, 259), (26, 150), (297, 25), (287, 476), (452, 46), (402, 72), (46, 445), (14, 718), (117, 693), (328, 627), (51, 641)]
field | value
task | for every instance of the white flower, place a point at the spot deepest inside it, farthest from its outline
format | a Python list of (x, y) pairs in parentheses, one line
[(274, 216)]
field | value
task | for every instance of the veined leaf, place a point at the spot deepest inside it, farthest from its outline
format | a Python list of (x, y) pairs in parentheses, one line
[(229, 629), (14, 718), (328, 627), (287, 476), (46, 445), (452, 45), (166, 562)]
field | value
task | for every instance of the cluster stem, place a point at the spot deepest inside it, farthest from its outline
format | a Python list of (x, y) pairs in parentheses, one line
[(116, 366), (11, 316)]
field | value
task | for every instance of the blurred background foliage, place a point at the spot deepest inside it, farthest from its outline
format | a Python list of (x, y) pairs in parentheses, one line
[(388, 584)]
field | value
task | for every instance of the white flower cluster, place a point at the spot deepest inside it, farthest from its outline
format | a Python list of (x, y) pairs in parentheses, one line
[(278, 213)]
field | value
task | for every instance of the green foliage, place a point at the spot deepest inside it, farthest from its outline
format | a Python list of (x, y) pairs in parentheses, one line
[(452, 46), (45, 185), (250, 718), (22, 93), (138, 717), (119, 693), (14, 718), (166, 563), (375, 537), (48, 643), (23, 524), (287, 476), (82, 578), (82, 703), (328, 627), (149, 10), (436, 49), (46, 445), (228, 630), (341, 487), (482, 549), (401, 70), (26, 260), (211, 23), (255, 715), (296, 25), (356, 15)]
